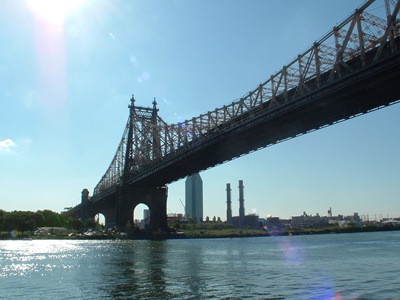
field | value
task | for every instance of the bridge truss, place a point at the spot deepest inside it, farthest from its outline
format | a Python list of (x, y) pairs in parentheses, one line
[(360, 40)]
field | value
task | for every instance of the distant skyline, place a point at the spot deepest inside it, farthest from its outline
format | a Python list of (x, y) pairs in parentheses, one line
[(67, 73)]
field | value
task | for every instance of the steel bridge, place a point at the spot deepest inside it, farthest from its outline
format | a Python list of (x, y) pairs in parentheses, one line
[(352, 70)]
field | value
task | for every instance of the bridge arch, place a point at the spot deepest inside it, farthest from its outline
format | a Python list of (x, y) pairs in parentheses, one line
[(100, 218), (142, 216), (90, 209), (154, 199)]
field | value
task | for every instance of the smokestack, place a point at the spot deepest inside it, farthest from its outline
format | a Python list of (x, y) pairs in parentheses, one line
[(241, 203), (228, 204)]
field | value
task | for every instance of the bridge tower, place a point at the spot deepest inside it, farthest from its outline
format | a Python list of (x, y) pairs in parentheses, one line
[(85, 210), (143, 148), (116, 196)]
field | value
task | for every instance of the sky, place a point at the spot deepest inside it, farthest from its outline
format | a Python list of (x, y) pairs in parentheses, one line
[(67, 73)]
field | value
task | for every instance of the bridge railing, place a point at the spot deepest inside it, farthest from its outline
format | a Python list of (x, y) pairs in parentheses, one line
[(326, 60), (356, 42)]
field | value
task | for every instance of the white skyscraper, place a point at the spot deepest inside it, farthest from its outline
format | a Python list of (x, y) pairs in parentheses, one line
[(194, 197)]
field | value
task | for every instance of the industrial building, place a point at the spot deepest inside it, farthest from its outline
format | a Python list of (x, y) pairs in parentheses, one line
[(241, 221)]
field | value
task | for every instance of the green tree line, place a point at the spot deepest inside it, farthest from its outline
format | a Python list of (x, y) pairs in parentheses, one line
[(28, 221)]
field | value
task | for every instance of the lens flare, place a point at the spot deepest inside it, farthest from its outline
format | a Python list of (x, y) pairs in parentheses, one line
[(54, 10), (49, 33)]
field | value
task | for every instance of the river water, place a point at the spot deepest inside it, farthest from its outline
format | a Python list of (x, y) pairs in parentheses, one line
[(332, 266)]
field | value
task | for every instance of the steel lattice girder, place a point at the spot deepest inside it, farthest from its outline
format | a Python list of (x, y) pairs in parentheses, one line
[(359, 41)]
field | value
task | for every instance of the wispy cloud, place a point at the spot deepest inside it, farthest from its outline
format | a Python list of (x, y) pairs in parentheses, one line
[(19, 147), (7, 146)]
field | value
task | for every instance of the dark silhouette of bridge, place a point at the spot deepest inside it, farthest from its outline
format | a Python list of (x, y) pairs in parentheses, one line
[(354, 69)]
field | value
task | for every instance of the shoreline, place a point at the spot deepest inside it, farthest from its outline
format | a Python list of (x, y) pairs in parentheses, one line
[(206, 234)]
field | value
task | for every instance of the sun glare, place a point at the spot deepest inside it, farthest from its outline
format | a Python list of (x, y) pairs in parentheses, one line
[(54, 10)]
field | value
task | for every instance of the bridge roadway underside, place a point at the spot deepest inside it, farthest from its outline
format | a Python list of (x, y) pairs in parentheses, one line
[(353, 94)]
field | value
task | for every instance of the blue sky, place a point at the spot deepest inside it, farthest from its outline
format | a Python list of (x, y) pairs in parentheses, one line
[(66, 77)]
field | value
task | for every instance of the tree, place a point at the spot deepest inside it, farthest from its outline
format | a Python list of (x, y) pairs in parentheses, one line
[(2, 212), (176, 225), (27, 224), (40, 219), (19, 220), (75, 224), (90, 223), (51, 218), (8, 222)]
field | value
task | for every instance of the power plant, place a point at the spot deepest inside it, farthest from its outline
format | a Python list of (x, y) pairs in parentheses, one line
[(228, 204), (242, 220)]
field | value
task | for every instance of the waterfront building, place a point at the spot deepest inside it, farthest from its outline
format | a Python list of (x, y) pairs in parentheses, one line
[(307, 221), (248, 221), (175, 217), (194, 197)]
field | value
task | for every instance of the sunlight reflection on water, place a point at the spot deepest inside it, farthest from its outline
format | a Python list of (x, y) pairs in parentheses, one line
[(22, 258), (301, 267)]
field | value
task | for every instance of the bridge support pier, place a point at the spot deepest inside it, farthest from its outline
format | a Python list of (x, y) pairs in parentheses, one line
[(158, 209), (87, 212), (124, 210), (154, 197), (89, 209)]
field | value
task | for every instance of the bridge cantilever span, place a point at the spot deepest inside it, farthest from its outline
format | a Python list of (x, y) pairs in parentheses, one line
[(322, 86), (308, 112)]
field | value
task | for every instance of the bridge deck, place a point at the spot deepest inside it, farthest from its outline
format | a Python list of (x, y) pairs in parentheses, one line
[(353, 94)]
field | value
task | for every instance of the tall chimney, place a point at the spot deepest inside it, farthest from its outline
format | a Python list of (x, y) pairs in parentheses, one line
[(241, 203), (228, 204)]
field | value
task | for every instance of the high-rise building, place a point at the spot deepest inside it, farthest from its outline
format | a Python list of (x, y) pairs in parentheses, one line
[(146, 215), (194, 197), (146, 219)]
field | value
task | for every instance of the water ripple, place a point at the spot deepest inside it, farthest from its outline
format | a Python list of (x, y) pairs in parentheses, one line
[(358, 266)]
